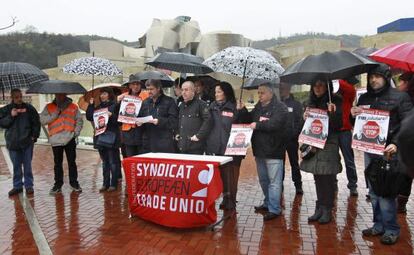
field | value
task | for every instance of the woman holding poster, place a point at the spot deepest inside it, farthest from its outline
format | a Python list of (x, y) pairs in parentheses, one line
[(107, 140), (326, 163), (224, 113)]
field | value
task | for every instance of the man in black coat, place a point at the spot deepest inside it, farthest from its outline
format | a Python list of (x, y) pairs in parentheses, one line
[(380, 95), (159, 131), (295, 119), (22, 125), (194, 122), (406, 143), (269, 120)]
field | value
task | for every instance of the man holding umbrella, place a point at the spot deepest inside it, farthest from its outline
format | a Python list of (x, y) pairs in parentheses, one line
[(22, 125), (380, 95), (65, 123), (268, 120)]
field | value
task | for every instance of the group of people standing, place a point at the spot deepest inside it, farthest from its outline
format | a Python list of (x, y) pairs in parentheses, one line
[(192, 125)]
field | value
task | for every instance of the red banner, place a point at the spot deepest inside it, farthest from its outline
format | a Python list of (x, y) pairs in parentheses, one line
[(173, 193)]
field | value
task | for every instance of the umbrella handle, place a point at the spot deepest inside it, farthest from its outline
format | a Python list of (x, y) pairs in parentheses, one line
[(244, 76), (329, 83)]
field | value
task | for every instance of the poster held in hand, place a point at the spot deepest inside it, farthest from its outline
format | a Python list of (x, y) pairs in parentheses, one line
[(100, 120), (315, 129), (129, 109), (371, 131), (239, 140)]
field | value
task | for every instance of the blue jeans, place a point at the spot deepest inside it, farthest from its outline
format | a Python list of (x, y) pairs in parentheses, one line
[(383, 208), (109, 166), (19, 158), (345, 141), (270, 172)]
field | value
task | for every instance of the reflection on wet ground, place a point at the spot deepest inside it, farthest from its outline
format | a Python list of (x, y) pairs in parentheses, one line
[(95, 223)]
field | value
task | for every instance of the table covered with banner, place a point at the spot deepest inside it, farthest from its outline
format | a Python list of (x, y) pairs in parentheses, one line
[(174, 190)]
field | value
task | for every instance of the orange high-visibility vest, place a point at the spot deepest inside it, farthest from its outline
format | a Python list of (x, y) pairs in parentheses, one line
[(66, 120), (142, 95)]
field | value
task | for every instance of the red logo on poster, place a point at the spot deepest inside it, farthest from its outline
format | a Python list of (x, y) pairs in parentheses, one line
[(316, 127), (371, 129)]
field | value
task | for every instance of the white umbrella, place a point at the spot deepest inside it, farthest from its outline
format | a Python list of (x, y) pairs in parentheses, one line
[(92, 66), (245, 62)]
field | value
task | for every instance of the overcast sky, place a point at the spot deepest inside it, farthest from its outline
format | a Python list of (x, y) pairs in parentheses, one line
[(255, 19)]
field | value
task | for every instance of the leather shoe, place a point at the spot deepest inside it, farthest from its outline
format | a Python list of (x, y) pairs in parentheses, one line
[(261, 208), (270, 216)]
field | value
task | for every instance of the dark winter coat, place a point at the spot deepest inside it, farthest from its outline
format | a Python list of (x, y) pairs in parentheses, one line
[(21, 130), (327, 160), (269, 138), (223, 116), (194, 119), (160, 138), (295, 116), (112, 125)]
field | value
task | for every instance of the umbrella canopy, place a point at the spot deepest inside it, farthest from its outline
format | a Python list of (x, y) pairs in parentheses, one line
[(255, 83), (166, 80), (20, 75), (327, 66), (83, 101), (179, 62), (245, 62), (364, 51), (399, 56), (92, 66), (56, 87)]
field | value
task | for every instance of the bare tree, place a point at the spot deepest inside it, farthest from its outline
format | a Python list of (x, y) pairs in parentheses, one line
[(14, 21)]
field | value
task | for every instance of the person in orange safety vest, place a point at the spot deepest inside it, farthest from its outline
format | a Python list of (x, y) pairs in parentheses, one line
[(64, 123)]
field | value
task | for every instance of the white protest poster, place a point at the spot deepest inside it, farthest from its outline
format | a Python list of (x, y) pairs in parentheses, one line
[(100, 120), (145, 119), (315, 129), (239, 140), (360, 92), (129, 109), (371, 131)]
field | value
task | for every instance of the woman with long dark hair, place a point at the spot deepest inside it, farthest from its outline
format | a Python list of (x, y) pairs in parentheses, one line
[(109, 151), (224, 113), (326, 163)]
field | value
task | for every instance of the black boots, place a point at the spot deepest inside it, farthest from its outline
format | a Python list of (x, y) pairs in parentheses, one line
[(326, 215), (317, 214), (323, 214)]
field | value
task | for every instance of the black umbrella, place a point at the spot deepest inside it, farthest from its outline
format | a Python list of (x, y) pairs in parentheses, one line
[(19, 75), (255, 83), (179, 62), (327, 66), (56, 87), (365, 51), (165, 79)]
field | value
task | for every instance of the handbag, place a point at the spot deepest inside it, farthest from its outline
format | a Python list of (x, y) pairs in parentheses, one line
[(106, 139), (307, 151), (383, 176)]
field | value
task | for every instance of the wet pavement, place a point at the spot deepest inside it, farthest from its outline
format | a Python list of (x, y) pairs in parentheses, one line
[(96, 223)]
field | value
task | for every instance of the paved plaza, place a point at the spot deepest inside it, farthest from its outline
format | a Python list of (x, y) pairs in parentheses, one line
[(98, 223)]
